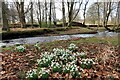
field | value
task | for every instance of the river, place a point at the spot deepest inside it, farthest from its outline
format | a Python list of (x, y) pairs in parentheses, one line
[(31, 40)]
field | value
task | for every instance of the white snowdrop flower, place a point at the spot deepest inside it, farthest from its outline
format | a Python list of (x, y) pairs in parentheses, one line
[(20, 48), (84, 62), (30, 73)]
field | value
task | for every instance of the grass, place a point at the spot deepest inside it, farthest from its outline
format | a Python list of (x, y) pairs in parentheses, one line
[(77, 30), (72, 30), (103, 28), (29, 29)]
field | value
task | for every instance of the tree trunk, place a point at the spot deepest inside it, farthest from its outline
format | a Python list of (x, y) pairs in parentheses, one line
[(46, 13), (85, 11), (73, 17), (104, 20), (98, 7), (70, 12), (4, 17), (40, 23), (118, 19), (54, 13), (50, 13), (63, 14), (107, 11), (22, 15), (31, 14)]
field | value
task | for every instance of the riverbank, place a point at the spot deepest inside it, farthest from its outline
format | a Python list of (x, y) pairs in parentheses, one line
[(22, 33), (103, 50)]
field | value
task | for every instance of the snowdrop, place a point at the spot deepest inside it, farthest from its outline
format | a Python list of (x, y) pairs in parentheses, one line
[(44, 54), (86, 63), (43, 62), (44, 73), (32, 74), (74, 70), (56, 67), (47, 55), (67, 68), (20, 49), (73, 47), (65, 56), (71, 68), (59, 52), (37, 47), (82, 54), (72, 57), (73, 62)]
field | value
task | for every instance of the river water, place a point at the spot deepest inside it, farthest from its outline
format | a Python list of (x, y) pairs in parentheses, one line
[(31, 40)]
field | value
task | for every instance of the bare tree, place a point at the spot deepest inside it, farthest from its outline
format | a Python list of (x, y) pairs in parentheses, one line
[(46, 12), (50, 13), (43, 14), (93, 13), (63, 13), (98, 13), (21, 12), (4, 17), (0, 11), (12, 13), (118, 16), (20, 9), (107, 11), (72, 16), (39, 14), (54, 12), (84, 11), (70, 12), (31, 13)]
